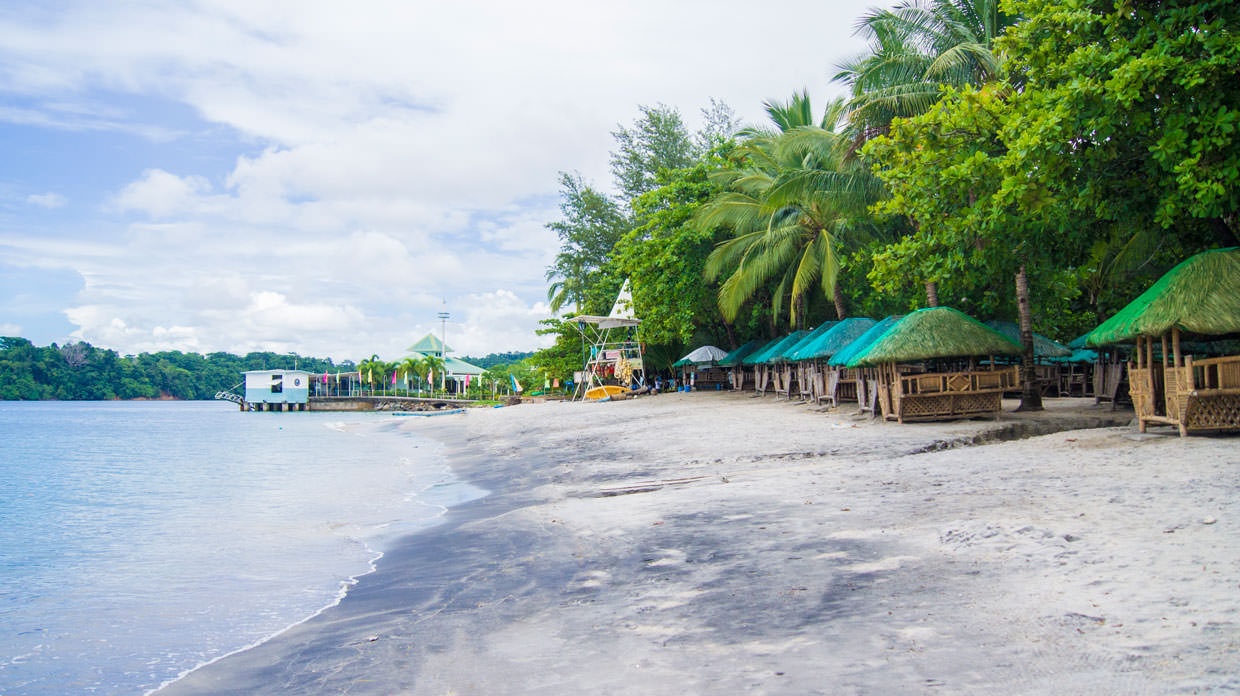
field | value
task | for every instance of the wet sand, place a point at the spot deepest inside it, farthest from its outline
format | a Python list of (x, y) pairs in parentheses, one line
[(722, 543)]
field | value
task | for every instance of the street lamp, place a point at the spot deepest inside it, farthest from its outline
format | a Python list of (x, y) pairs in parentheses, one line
[(443, 346)]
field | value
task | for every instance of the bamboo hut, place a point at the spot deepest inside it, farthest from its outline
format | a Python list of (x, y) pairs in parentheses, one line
[(732, 363), (791, 374), (700, 367), (864, 381), (750, 363), (1198, 299), (765, 374), (907, 390), (1046, 371), (828, 383)]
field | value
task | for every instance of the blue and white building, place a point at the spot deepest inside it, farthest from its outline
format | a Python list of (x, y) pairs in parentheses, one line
[(278, 390)]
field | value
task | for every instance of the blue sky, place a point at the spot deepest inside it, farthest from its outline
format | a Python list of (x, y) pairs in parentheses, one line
[(323, 178)]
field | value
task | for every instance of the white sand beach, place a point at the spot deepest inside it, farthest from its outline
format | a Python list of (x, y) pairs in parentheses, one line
[(724, 543)]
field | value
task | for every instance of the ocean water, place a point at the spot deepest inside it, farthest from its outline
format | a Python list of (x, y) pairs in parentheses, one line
[(141, 539)]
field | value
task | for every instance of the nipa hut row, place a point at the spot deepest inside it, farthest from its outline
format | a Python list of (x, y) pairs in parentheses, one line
[(929, 364), (1184, 369)]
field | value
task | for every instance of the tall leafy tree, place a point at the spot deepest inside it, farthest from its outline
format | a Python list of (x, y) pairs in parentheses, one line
[(1130, 112), (658, 140), (592, 223)]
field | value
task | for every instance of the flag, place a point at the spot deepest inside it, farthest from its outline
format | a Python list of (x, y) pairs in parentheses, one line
[(324, 378), (430, 377), (370, 375), (467, 381), (393, 377), (516, 386), (546, 381)]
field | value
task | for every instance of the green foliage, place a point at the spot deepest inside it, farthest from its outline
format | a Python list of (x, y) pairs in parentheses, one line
[(490, 359), (589, 230), (1130, 111), (664, 256), (80, 371), (657, 141)]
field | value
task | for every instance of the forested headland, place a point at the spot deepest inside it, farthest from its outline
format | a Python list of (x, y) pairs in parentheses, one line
[(80, 371), (1024, 160)]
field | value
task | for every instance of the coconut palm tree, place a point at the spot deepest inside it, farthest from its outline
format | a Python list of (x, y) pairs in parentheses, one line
[(367, 370), (792, 206), (431, 365), (411, 370), (915, 49)]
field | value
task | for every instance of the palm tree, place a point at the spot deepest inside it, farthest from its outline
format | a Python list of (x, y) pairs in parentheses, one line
[(366, 370), (410, 367), (432, 365), (915, 49), (791, 207)]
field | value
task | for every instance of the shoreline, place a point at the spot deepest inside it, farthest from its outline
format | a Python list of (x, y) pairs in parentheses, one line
[(374, 542), (729, 543)]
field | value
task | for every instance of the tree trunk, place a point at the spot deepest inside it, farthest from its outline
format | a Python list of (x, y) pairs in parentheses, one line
[(1030, 395), (731, 336), (841, 307), (932, 293)]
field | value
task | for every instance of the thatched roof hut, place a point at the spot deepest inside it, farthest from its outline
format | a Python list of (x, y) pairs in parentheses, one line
[(1043, 347), (832, 340), (937, 332), (734, 358), (705, 355), (843, 355), (1200, 296), (786, 353), (773, 351)]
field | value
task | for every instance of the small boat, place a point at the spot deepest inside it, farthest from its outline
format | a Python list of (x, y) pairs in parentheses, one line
[(428, 413), (608, 391)]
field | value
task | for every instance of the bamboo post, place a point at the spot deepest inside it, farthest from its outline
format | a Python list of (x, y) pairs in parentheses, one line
[(1164, 353)]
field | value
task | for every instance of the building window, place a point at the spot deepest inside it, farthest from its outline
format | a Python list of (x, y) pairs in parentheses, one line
[(277, 384)]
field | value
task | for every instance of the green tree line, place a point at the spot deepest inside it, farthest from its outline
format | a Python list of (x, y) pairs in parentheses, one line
[(1029, 160), (80, 371)]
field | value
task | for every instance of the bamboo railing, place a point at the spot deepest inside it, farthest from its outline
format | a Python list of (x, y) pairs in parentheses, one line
[(1191, 394)]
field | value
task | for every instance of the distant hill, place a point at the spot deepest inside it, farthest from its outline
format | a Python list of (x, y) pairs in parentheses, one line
[(493, 359)]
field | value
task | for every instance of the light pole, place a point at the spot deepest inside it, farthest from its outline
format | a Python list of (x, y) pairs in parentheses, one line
[(443, 346)]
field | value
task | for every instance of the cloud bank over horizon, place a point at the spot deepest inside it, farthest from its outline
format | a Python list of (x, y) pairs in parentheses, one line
[(313, 178)]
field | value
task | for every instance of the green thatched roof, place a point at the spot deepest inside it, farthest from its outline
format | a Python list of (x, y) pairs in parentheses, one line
[(787, 352), (771, 352), (1200, 296), (843, 355), (734, 358), (825, 345), (937, 332), (752, 357), (1043, 347)]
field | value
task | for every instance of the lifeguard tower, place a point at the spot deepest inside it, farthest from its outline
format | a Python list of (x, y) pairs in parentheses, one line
[(615, 360)]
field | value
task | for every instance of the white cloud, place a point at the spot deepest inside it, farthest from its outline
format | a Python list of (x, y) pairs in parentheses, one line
[(47, 200), (10, 330), (401, 153)]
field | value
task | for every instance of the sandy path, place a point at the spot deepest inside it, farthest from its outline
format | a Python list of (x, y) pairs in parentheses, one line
[(716, 543)]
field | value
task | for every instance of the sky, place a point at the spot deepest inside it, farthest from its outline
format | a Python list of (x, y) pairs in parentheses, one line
[(325, 178)]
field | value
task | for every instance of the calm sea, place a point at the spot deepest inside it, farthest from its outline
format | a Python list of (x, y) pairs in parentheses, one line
[(141, 539)]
